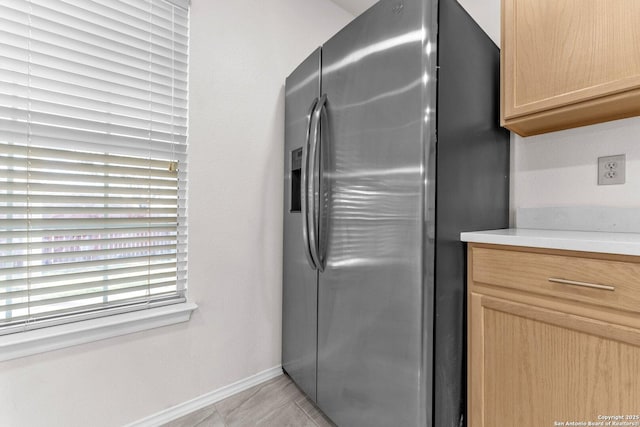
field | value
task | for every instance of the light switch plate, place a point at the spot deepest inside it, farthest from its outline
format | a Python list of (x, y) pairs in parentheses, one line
[(611, 170)]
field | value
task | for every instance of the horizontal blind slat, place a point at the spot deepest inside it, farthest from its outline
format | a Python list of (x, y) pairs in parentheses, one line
[(92, 111), (49, 318), (46, 124), (9, 212), (152, 229), (78, 156), (45, 77), (79, 223), (80, 297), (93, 23), (61, 258), (76, 189), (107, 67), (44, 290), (92, 275), (83, 179), (159, 66), (88, 169), (158, 24), (35, 322), (104, 265), (64, 244), (73, 199), (76, 94)]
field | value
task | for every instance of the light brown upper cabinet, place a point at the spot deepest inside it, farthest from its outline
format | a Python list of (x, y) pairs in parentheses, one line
[(569, 63)]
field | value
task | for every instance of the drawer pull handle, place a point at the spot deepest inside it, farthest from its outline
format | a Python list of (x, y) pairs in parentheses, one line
[(583, 284)]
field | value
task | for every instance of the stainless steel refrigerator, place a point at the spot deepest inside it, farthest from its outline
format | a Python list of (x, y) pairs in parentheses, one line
[(392, 148)]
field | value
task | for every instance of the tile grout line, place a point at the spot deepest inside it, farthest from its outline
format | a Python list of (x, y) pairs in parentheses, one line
[(290, 402), (215, 411), (235, 408), (232, 411), (259, 389), (307, 414)]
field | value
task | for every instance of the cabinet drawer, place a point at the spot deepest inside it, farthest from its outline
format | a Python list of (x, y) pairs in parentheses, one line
[(601, 282)]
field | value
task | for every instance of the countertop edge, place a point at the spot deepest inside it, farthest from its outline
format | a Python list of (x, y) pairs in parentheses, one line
[(598, 242)]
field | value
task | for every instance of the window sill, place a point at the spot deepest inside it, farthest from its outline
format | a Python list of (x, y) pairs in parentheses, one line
[(22, 344)]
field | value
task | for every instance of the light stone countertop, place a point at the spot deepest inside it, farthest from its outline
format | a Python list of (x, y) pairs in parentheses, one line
[(586, 241)]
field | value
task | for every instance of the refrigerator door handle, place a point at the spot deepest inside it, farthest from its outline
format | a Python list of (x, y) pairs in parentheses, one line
[(322, 196), (313, 214), (304, 191)]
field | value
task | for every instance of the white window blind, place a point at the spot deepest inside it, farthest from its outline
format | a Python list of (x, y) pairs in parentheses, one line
[(93, 133)]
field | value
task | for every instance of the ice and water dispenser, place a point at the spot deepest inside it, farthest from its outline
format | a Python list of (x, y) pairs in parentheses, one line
[(296, 171)]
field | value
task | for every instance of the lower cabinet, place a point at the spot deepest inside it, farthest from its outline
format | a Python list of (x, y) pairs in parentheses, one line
[(542, 359)]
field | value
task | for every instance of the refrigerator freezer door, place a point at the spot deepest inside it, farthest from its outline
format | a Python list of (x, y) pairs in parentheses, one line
[(473, 165), (370, 330), (300, 284)]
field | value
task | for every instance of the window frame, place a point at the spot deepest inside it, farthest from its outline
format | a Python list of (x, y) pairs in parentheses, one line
[(110, 321), (27, 343)]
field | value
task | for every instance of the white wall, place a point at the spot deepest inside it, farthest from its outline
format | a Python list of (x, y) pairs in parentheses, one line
[(559, 169), (355, 7), (241, 51), (485, 12)]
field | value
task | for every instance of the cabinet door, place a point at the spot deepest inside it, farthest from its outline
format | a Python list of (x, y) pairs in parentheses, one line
[(579, 56), (534, 367)]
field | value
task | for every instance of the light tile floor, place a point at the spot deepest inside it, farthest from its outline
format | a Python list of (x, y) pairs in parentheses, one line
[(275, 403)]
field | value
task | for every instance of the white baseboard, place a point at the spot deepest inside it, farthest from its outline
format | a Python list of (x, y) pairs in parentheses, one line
[(206, 399)]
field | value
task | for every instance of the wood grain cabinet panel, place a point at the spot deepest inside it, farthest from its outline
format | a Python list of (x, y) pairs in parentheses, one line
[(537, 364), (569, 63), (616, 283)]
